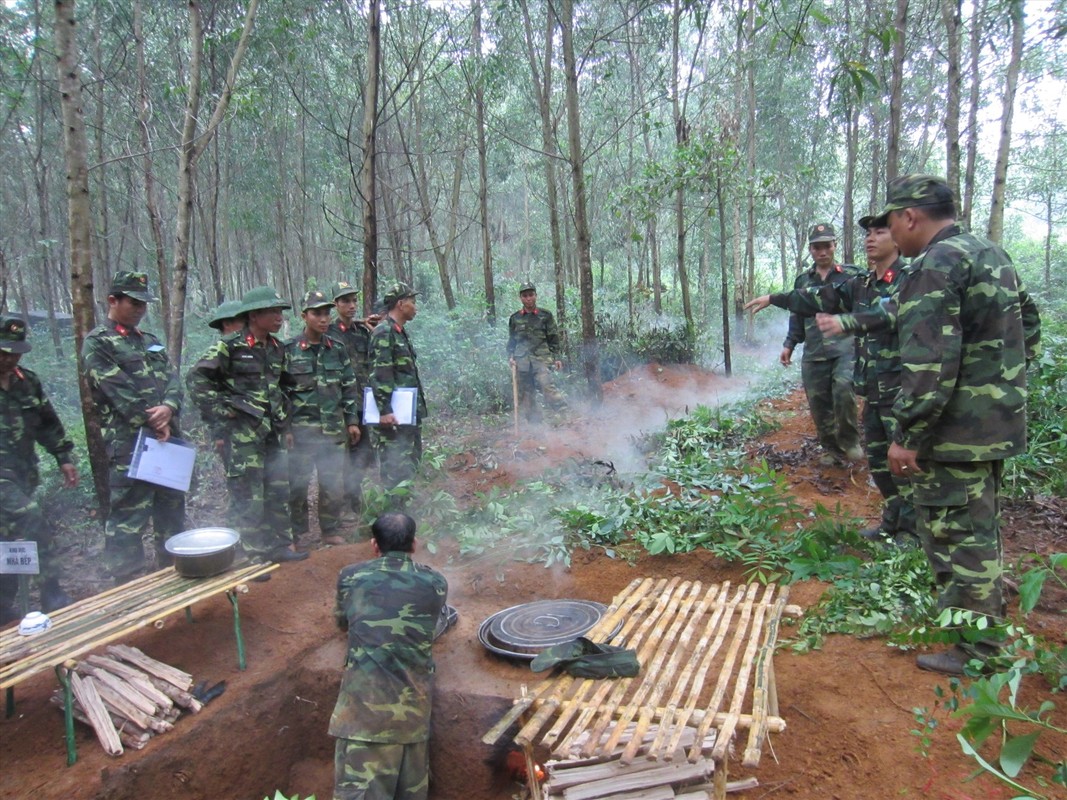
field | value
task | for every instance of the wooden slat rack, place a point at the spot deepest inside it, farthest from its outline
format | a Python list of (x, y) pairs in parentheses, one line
[(101, 619), (707, 673)]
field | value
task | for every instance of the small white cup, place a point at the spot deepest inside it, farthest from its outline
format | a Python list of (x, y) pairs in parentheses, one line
[(34, 622)]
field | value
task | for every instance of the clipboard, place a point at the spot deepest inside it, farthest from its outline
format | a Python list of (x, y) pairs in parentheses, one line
[(168, 463), (404, 403)]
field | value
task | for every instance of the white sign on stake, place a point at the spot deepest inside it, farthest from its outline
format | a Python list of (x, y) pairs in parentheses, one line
[(19, 558)]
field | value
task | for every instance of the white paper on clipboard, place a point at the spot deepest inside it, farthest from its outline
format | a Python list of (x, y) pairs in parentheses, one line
[(168, 463), (404, 402)]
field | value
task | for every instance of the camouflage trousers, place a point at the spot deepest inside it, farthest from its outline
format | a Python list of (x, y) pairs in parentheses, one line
[(360, 461), (399, 453), (898, 513), (314, 451), (374, 771), (958, 508), (258, 482), (832, 402), (21, 518), (532, 376), (135, 504)]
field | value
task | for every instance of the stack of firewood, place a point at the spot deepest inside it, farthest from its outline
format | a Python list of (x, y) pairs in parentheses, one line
[(127, 697)]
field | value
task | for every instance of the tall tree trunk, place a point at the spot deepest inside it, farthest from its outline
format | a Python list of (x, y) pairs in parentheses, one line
[(950, 15), (581, 223), (896, 90), (483, 180), (172, 292), (995, 229), (681, 139), (366, 177), (750, 154), (724, 273), (79, 227), (974, 98), (102, 263)]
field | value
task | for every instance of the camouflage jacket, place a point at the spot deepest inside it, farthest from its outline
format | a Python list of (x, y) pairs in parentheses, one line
[(803, 330), (128, 373), (967, 329), (324, 393), (393, 366), (27, 417), (356, 339), (389, 606), (238, 387), (878, 362), (533, 334)]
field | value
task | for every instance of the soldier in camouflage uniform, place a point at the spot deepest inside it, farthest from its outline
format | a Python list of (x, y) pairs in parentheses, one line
[(877, 374), (533, 348), (828, 364), (390, 607), (967, 329), (26, 418), (393, 366), (238, 387), (325, 403), (133, 386), (355, 334)]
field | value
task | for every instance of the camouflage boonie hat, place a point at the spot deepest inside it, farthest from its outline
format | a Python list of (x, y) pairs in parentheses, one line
[(527, 287), (13, 335), (822, 232), (131, 284), (315, 299), (230, 309), (343, 288), (398, 291), (909, 191), (262, 298)]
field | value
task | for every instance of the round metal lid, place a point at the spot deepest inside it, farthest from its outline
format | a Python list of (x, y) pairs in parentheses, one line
[(525, 630)]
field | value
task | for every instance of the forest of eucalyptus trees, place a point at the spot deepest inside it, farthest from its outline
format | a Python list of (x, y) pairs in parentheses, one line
[(666, 154)]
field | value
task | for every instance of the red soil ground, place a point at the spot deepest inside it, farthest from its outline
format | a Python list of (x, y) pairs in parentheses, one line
[(848, 706)]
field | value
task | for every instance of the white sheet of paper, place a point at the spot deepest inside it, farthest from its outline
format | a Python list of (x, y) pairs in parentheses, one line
[(404, 403), (167, 463)]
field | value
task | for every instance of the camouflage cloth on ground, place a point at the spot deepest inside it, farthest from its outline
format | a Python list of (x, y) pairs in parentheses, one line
[(967, 329), (238, 388), (324, 399), (827, 367), (27, 418), (390, 607), (128, 372), (393, 366)]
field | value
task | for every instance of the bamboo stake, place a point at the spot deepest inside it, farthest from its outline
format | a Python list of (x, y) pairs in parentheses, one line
[(763, 689), (86, 694)]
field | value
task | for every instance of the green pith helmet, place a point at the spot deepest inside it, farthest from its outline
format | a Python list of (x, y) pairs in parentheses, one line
[(230, 309), (13, 335), (527, 287), (261, 298), (342, 289)]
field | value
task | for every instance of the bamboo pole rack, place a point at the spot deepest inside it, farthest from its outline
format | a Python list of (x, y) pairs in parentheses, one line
[(707, 673)]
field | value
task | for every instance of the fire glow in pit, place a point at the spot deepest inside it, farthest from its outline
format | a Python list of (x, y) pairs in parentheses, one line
[(525, 630)]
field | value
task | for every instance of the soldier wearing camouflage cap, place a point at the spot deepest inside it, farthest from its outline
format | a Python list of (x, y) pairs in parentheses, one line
[(828, 364), (967, 330), (27, 418), (533, 348), (239, 388), (355, 334), (393, 366), (390, 607), (325, 403), (133, 386)]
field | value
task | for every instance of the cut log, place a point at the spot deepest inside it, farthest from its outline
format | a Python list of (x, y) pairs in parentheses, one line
[(141, 681), (661, 775), (172, 675), (181, 698), (121, 688), (706, 791), (85, 691), (129, 738)]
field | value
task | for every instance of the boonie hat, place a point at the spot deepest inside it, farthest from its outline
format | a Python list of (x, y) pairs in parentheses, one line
[(398, 291), (527, 287), (909, 191), (822, 232), (13, 335), (131, 284), (315, 299), (342, 288), (230, 309), (262, 298)]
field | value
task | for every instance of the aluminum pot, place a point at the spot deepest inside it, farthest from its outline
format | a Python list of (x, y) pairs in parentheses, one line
[(203, 552)]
